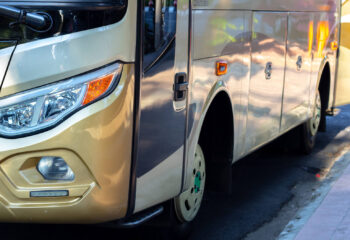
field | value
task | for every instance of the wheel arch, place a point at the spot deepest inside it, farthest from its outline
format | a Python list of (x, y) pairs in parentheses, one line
[(324, 87), (218, 142), (324, 81)]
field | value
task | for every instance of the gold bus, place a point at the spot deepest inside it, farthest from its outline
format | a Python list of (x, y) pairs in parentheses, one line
[(110, 109)]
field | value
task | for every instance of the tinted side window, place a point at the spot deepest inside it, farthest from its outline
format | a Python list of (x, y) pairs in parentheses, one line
[(159, 27)]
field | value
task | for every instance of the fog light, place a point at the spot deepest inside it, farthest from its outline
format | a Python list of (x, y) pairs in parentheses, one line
[(55, 168)]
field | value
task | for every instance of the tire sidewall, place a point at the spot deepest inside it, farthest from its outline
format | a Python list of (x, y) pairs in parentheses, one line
[(308, 139)]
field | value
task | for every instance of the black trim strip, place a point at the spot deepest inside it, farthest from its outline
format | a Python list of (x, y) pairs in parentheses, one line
[(136, 123), (185, 155)]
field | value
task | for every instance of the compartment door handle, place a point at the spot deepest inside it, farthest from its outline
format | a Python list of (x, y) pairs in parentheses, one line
[(180, 86)]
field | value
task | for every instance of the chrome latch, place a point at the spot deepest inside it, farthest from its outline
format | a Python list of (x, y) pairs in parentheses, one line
[(299, 63), (268, 70), (180, 86)]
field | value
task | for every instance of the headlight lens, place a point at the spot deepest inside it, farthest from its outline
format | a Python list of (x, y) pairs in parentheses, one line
[(17, 116), (56, 104), (41, 108)]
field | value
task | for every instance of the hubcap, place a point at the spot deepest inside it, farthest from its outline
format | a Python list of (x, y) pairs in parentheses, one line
[(315, 120), (188, 203)]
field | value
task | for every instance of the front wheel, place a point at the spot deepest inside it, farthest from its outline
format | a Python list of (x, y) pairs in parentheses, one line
[(184, 208), (309, 129), (187, 204)]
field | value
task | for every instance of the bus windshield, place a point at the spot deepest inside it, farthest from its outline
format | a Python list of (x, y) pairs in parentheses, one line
[(114, 2), (61, 17)]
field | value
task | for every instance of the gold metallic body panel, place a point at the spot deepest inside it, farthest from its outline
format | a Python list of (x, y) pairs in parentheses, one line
[(95, 142), (53, 59)]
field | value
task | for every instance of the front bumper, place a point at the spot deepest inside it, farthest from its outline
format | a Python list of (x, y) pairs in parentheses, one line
[(96, 142)]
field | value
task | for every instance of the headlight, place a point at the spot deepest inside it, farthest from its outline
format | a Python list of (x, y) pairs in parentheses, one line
[(37, 109)]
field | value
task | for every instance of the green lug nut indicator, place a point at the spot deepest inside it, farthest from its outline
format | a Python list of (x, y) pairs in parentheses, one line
[(197, 182)]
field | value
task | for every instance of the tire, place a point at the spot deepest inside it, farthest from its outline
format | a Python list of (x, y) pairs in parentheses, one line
[(176, 222), (310, 128), (187, 204), (184, 208), (323, 122)]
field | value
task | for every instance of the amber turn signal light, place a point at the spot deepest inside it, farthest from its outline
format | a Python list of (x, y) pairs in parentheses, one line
[(97, 87), (334, 45), (221, 68)]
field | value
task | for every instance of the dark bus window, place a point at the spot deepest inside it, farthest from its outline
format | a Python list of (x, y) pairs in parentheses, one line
[(116, 2), (68, 16), (159, 28)]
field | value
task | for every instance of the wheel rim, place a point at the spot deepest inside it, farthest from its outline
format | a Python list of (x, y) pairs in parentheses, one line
[(316, 118), (188, 203)]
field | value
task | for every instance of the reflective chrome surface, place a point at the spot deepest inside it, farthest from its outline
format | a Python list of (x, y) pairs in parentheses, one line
[(265, 95), (283, 43), (298, 68), (265, 5), (219, 35), (284, 37)]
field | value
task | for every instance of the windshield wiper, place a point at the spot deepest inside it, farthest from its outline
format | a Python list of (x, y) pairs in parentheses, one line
[(37, 21)]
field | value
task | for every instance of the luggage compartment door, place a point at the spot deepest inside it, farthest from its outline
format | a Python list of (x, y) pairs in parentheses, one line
[(342, 88), (298, 70), (267, 77)]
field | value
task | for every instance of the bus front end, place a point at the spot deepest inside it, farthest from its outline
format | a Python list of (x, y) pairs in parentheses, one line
[(66, 109)]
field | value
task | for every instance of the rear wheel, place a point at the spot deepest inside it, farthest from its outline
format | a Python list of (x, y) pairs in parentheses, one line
[(309, 129)]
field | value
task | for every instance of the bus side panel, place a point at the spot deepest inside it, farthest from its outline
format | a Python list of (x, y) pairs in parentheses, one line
[(267, 77), (342, 95), (219, 36), (322, 27), (298, 67), (332, 48)]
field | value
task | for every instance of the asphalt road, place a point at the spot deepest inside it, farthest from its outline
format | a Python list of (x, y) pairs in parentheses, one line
[(270, 186)]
